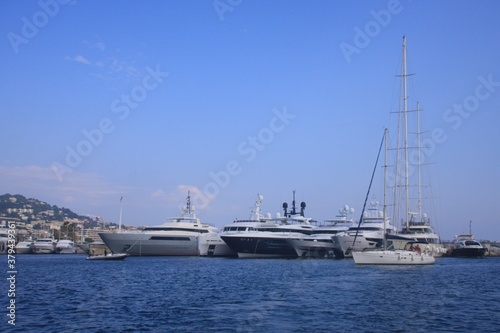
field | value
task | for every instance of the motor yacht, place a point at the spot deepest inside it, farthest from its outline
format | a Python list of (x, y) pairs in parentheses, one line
[(44, 246), (270, 239), (320, 244), (466, 246), (65, 246), (24, 247), (177, 237), (368, 235)]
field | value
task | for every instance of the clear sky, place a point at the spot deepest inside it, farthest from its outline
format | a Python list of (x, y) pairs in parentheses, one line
[(230, 98)]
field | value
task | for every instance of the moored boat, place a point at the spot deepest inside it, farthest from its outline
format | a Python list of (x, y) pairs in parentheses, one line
[(44, 246), (368, 235), (24, 247), (65, 246), (270, 239), (177, 237), (320, 244), (466, 246), (109, 256)]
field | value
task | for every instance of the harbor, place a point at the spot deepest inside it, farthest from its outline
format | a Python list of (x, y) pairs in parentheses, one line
[(235, 166)]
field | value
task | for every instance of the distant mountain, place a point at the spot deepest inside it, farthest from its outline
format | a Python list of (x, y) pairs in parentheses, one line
[(28, 210)]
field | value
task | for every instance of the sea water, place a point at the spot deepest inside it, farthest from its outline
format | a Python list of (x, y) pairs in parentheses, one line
[(66, 293)]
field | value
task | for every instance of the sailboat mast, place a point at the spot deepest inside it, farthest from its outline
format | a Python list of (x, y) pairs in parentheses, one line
[(384, 214), (419, 180), (405, 139)]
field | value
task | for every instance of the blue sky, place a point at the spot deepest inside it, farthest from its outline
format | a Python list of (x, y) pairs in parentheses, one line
[(227, 99)]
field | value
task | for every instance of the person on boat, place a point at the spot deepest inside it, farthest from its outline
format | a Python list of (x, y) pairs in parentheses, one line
[(105, 253), (417, 249)]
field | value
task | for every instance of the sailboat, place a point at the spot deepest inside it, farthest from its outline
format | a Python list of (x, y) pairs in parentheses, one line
[(416, 225), (411, 255), (409, 251)]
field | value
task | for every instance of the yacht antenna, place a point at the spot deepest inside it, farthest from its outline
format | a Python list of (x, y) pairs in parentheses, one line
[(188, 204), (120, 220)]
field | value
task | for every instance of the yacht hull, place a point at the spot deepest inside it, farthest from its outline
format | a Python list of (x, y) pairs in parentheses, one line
[(469, 253), (212, 245), (392, 257), (363, 241), (24, 248), (313, 247), (260, 247), (138, 244)]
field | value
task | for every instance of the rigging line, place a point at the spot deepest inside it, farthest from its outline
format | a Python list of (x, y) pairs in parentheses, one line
[(368, 192)]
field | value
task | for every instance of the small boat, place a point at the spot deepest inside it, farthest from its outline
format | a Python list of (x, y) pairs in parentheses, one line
[(110, 256), (466, 246)]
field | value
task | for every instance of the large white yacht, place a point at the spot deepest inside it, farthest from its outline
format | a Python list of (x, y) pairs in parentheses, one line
[(212, 245), (368, 235), (270, 238), (44, 246), (65, 246), (320, 244), (177, 237), (421, 231)]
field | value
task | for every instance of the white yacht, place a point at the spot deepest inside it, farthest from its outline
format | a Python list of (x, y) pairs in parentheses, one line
[(420, 231), (320, 243), (212, 244), (368, 235), (24, 247), (269, 239), (44, 246), (65, 246), (177, 237)]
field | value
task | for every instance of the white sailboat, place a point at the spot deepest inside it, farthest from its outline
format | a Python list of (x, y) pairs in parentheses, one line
[(409, 255), (390, 256)]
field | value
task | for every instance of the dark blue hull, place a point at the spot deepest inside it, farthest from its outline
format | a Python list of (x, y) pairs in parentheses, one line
[(469, 253), (255, 247)]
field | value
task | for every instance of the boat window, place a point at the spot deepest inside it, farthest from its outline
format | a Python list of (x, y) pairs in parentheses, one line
[(170, 238), (175, 229)]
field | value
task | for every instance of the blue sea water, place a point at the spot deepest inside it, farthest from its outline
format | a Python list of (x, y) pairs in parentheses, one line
[(66, 293)]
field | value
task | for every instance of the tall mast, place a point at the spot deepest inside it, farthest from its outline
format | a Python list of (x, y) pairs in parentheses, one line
[(384, 214), (419, 185), (405, 138)]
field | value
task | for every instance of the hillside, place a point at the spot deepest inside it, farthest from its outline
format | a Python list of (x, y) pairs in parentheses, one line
[(28, 210)]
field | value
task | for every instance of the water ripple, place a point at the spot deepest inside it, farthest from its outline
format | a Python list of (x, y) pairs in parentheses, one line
[(70, 294)]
